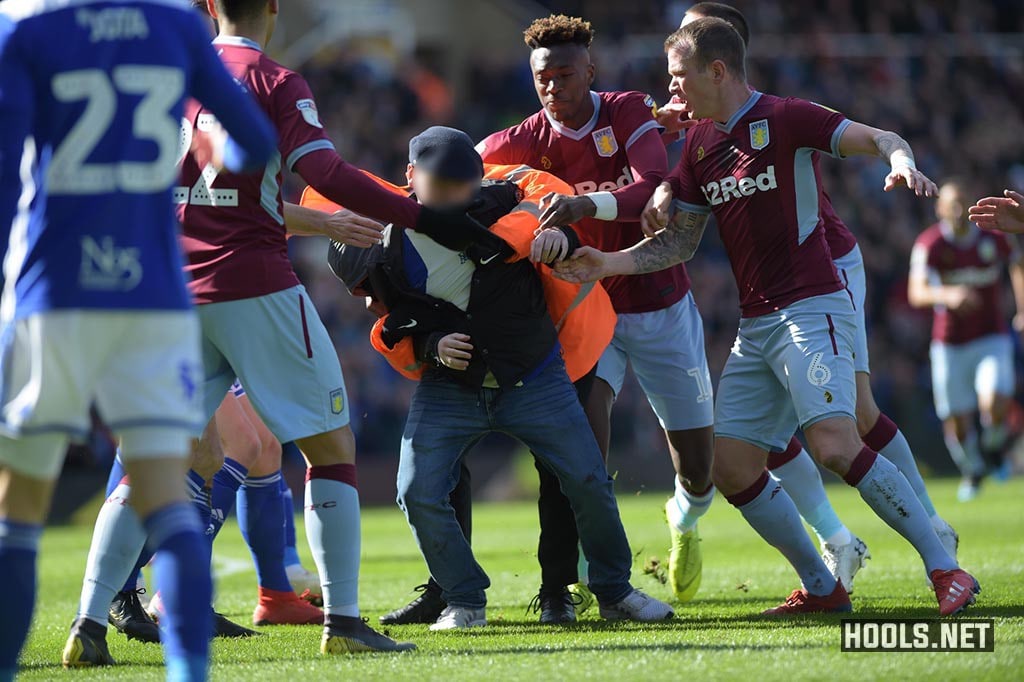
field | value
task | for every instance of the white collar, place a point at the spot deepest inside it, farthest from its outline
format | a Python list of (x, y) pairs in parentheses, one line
[(587, 127), (739, 113), (237, 41)]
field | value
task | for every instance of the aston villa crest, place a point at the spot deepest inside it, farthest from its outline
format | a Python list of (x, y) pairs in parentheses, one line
[(759, 137), (604, 140)]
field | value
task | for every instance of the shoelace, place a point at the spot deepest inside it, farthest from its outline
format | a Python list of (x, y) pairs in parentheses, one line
[(567, 597), (797, 598)]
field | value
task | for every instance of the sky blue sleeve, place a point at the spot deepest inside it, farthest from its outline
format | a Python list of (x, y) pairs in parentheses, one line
[(253, 139), (16, 110)]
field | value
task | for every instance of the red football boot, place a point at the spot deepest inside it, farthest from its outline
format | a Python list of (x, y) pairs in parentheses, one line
[(802, 601), (285, 608), (954, 589)]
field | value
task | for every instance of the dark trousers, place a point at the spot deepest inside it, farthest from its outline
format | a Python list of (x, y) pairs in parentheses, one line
[(558, 548)]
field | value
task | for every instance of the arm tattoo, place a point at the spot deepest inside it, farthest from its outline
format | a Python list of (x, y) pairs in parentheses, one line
[(890, 143), (675, 244)]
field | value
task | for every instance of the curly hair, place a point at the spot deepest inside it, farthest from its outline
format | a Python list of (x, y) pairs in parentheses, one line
[(558, 29)]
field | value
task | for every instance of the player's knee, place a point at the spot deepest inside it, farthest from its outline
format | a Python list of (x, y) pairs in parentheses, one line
[(834, 443), (333, 447)]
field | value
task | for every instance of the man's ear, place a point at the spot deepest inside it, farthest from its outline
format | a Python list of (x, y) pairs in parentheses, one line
[(211, 7), (718, 71), (591, 73), (409, 174), (274, 7)]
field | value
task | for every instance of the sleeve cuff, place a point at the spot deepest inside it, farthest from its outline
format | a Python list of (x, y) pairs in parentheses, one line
[(607, 205), (837, 134)]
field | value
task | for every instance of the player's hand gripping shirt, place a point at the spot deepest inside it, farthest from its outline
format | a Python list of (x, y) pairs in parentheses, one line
[(595, 158)]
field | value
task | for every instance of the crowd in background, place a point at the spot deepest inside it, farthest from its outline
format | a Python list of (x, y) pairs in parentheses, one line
[(959, 104), (960, 110)]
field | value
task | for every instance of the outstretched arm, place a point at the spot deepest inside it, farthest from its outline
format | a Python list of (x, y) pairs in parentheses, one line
[(674, 244), (1004, 213), (862, 140)]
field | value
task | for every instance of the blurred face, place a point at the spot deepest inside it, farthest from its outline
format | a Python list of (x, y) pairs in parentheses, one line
[(951, 206), (441, 193), (562, 76), (694, 89)]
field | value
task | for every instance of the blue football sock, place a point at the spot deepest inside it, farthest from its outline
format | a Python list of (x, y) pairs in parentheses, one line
[(19, 544), (200, 496), (222, 495), (260, 517), (182, 570), (291, 552)]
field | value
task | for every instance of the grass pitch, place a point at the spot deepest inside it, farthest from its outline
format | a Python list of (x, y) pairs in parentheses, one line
[(717, 636)]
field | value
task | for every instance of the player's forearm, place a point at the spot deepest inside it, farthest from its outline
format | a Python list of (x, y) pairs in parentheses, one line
[(673, 245), (894, 149), (924, 295), (346, 185), (302, 221)]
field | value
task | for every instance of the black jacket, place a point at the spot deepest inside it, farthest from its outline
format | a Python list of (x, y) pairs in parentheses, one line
[(507, 318)]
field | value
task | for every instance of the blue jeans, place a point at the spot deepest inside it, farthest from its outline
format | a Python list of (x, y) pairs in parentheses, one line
[(545, 414)]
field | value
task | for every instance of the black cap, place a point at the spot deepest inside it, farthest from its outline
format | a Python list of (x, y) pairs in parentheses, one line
[(351, 264), (447, 153)]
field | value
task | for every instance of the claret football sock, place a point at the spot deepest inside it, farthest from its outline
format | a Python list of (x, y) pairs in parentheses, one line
[(332, 527), (769, 510)]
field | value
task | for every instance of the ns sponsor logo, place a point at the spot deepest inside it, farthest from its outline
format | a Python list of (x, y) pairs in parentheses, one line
[(730, 187), (590, 186)]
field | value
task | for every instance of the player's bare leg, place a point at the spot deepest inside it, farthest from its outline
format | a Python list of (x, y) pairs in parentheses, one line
[(333, 530), (739, 473), (835, 443), (692, 452)]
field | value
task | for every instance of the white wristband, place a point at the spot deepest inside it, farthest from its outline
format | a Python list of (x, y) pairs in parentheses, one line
[(607, 205), (902, 161)]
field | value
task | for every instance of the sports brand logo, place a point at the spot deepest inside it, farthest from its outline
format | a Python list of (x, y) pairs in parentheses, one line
[(307, 108), (604, 140), (759, 136), (338, 400)]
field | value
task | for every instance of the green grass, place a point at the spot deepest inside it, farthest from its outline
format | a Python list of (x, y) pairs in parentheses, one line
[(715, 637)]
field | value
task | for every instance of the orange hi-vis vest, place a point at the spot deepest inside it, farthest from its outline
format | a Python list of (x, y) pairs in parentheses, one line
[(582, 314)]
